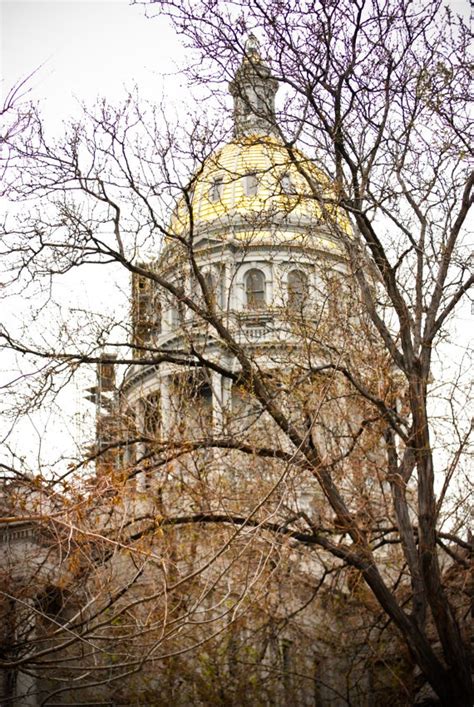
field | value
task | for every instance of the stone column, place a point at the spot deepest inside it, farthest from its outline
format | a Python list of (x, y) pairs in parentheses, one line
[(165, 402), (217, 412), (140, 425), (221, 401)]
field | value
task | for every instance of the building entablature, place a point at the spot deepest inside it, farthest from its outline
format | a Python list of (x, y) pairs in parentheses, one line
[(283, 221), (241, 247)]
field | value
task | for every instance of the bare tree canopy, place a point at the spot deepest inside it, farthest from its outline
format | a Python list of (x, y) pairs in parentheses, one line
[(281, 445)]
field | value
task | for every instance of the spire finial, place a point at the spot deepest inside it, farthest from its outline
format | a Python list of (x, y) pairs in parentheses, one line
[(253, 90), (252, 45)]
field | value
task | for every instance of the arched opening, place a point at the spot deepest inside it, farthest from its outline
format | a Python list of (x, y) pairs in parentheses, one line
[(152, 417), (297, 289), (255, 289), (52, 604), (210, 281), (174, 316), (214, 284), (214, 287)]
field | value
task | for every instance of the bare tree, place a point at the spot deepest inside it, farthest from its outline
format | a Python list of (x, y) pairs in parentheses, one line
[(320, 454)]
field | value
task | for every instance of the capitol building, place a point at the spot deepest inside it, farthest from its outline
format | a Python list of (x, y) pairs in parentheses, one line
[(224, 583), (257, 280), (255, 251)]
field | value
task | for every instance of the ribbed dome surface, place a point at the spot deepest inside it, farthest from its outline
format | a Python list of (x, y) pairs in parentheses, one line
[(253, 179)]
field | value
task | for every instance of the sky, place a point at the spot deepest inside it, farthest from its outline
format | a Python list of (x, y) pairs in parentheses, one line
[(84, 49), (81, 50)]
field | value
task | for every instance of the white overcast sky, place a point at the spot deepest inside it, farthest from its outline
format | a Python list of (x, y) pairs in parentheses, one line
[(85, 49)]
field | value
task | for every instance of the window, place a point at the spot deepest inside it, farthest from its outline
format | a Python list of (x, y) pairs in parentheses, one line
[(156, 318), (174, 316), (215, 190), (255, 288), (215, 287), (146, 310), (286, 666), (151, 416), (251, 184), (52, 605), (297, 288), (286, 184)]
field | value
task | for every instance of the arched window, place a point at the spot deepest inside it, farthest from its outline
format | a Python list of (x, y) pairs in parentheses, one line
[(251, 184), (214, 282), (156, 322), (151, 416), (297, 288), (215, 190), (255, 288)]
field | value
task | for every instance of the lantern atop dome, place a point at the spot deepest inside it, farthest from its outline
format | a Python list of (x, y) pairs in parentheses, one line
[(253, 90)]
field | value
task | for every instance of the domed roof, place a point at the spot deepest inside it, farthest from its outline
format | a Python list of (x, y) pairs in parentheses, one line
[(254, 182), (254, 186)]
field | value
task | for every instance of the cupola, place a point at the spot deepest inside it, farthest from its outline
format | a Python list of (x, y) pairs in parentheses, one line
[(253, 90)]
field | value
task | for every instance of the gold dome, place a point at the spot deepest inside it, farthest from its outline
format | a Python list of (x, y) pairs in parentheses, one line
[(254, 186), (252, 183)]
